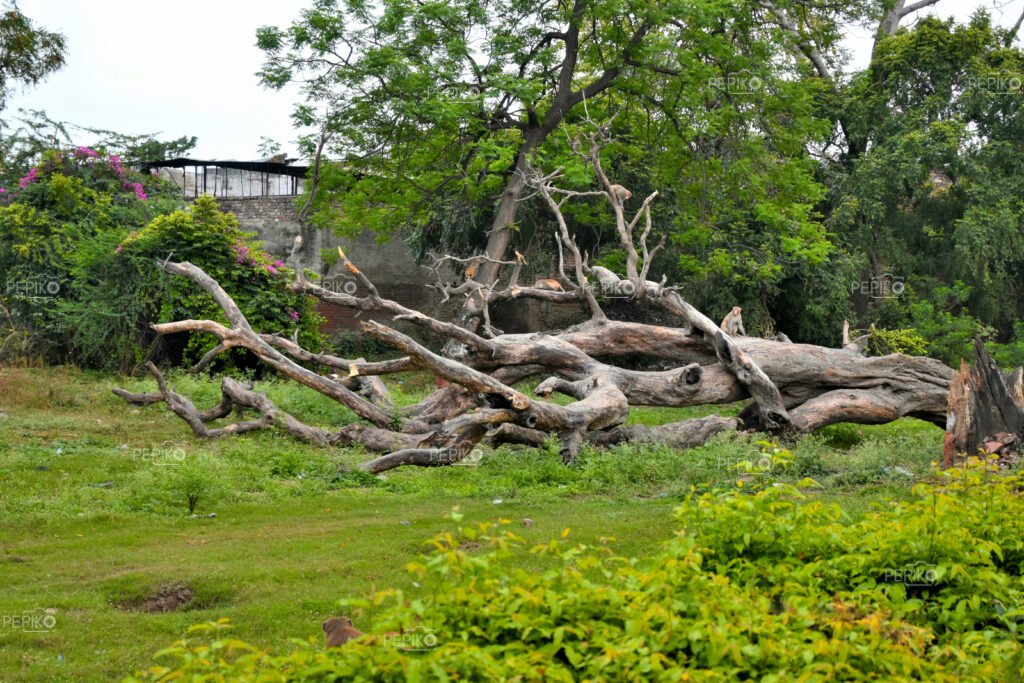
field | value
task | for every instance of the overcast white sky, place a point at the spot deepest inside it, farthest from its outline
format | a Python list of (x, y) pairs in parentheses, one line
[(186, 67)]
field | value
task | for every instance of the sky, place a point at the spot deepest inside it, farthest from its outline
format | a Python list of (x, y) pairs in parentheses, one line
[(187, 67)]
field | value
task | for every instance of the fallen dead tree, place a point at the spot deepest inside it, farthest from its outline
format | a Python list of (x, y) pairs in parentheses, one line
[(790, 387)]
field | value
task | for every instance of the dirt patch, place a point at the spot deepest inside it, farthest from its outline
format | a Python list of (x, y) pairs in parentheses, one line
[(167, 598)]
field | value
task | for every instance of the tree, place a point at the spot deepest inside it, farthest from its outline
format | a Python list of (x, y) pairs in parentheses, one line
[(27, 54), (933, 194), (33, 132), (437, 109)]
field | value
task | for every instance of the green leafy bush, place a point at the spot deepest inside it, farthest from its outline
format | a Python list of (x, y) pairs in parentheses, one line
[(760, 583), (81, 235), (882, 342), (1011, 354), (212, 240)]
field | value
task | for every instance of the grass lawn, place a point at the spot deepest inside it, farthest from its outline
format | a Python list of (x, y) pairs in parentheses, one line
[(94, 522)]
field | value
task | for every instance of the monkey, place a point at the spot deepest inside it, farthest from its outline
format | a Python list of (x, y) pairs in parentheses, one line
[(621, 193), (471, 270), (549, 284), (733, 322), (339, 630), (608, 281)]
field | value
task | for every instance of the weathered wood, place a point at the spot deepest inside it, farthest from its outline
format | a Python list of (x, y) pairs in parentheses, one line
[(241, 334), (798, 386), (451, 454), (985, 411), (682, 435)]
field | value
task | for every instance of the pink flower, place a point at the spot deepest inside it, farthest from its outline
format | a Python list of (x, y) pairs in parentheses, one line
[(277, 264), (119, 248), (2, 190), (31, 177), (271, 269), (139, 190), (86, 152), (294, 314)]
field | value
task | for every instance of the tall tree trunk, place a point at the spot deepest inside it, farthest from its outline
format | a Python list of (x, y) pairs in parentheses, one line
[(508, 206)]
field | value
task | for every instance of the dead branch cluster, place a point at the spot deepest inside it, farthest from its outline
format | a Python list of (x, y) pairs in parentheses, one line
[(795, 387)]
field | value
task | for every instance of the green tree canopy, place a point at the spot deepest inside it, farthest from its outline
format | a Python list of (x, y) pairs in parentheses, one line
[(28, 54), (438, 110), (934, 193)]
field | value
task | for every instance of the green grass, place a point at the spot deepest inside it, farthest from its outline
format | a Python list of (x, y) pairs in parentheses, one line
[(93, 511)]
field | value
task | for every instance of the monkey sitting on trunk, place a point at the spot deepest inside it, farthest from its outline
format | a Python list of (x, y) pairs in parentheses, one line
[(733, 322), (339, 630), (549, 284)]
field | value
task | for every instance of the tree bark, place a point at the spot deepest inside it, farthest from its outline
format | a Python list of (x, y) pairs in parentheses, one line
[(986, 409)]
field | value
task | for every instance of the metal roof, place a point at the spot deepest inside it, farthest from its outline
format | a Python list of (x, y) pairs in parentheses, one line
[(285, 167)]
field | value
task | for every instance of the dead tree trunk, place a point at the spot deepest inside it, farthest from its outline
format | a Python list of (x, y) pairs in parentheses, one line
[(986, 410), (791, 387), (816, 385)]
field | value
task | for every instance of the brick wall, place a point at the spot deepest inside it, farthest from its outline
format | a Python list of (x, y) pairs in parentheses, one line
[(261, 209)]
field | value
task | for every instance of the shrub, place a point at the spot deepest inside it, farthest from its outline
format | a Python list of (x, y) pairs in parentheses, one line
[(760, 583), (882, 342), (80, 238)]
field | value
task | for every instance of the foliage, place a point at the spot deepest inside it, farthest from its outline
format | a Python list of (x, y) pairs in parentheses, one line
[(945, 322), (28, 54), (429, 124), (257, 282), (1011, 354), (929, 188), (882, 342), (780, 190), (79, 464), (135, 150), (179, 483), (766, 584), (79, 263), (26, 137)]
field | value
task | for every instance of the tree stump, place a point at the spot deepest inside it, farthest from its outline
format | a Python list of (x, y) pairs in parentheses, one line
[(986, 410)]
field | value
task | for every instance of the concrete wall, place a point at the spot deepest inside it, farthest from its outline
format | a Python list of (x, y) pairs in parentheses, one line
[(393, 270), (390, 266)]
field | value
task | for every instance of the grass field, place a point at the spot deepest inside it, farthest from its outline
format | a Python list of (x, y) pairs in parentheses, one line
[(94, 522)]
